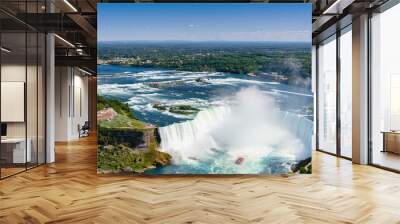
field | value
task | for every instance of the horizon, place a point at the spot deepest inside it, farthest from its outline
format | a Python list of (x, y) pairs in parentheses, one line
[(196, 22), (202, 41)]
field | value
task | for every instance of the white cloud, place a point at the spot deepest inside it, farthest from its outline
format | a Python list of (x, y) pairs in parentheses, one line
[(192, 33), (192, 26), (265, 35)]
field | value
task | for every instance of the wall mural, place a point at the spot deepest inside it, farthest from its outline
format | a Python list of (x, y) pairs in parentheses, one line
[(204, 88)]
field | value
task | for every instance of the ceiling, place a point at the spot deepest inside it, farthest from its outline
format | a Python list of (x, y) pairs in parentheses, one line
[(334, 15), (75, 22)]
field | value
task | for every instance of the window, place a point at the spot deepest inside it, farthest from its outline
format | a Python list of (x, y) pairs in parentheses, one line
[(385, 89), (327, 95), (22, 77), (346, 92)]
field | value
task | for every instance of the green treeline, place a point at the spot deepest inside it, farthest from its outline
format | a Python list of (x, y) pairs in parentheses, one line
[(118, 106), (291, 60)]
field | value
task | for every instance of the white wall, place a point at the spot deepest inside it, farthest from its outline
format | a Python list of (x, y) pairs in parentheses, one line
[(33, 126), (81, 113), (62, 82), (71, 87)]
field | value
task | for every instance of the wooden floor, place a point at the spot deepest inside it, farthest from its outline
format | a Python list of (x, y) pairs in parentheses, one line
[(5, 172), (70, 191), (387, 159)]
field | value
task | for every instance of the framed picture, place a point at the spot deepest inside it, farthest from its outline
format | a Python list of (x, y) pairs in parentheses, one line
[(204, 88)]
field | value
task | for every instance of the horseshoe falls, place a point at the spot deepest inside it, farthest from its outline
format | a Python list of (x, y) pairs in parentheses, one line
[(250, 127), (242, 124)]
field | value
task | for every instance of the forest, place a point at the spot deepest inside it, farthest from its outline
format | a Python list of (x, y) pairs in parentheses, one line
[(292, 60)]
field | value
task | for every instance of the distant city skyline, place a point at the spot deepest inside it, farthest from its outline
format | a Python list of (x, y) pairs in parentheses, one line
[(204, 22)]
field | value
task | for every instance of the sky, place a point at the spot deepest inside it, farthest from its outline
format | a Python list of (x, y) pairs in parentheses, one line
[(204, 22)]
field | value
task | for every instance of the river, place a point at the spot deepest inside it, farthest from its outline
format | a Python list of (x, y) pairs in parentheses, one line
[(245, 124)]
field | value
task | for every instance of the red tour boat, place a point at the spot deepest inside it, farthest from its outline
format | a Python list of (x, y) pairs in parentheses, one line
[(239, 161)]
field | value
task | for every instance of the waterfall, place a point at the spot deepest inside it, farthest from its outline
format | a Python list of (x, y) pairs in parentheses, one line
[(302, 128), (196, 139), (193, 139), (249, 129)]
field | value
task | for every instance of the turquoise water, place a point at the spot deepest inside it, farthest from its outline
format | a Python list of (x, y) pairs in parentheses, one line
[(142, 87), (129, 84)]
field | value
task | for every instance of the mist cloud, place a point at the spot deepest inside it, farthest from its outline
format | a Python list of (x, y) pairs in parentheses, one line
[(251, 127)]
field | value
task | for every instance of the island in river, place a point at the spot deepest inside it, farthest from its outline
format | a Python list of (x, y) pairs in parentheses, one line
[(193, 97)]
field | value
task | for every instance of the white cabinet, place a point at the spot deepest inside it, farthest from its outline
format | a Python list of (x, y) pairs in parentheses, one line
[(17, 146)]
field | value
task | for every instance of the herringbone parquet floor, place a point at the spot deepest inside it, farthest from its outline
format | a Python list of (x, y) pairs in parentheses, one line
[(70, 191)]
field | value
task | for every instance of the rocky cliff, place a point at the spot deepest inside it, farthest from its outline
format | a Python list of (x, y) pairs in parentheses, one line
[(126, 144)]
